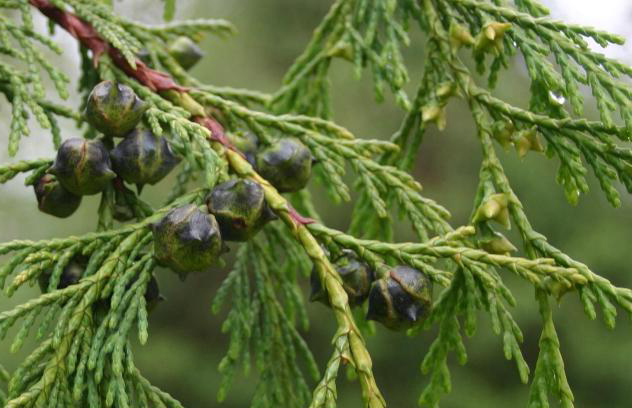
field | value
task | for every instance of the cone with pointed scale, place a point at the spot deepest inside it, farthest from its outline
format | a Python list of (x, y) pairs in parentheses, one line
[(356, 276), (240, 209), (53, 198), (83, 166), (185, 51), (143, 158), (401, 299), (286, 164), (114, 109), (187, 240)]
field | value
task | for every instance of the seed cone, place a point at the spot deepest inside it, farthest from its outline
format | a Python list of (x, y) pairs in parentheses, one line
[(187, 240), (356, 276), (185, 51), (83, 166), (286, 164), (152, 294), (401, 299), (142, 158), (247, 143), (240, 208), (54, 199), (114, 109), (122, 210), (71, 274)]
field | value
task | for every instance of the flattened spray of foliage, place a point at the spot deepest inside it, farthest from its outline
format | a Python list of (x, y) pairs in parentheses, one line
[(236, 151)]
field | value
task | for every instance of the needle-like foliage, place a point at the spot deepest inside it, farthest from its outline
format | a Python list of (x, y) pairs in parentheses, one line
[(84, 357)]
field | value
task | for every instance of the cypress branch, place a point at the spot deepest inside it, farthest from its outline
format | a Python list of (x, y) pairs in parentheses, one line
[(84, 356)]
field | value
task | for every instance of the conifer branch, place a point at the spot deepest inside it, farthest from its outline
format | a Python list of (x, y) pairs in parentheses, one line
[(85, 355), (331, 280), (9, 171), (535, 243)]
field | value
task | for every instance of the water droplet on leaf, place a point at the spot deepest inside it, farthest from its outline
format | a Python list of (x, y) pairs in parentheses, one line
[(557, 98)]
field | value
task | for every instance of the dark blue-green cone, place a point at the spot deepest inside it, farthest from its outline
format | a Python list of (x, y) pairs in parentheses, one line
[(356, 275), (286, 164), (152, 296), (114, 109), (187, 240), (122, 210), (71, 274), (247, 143), (240, 208), (83, 166), (53, 198), (143, 158), (185, 51), (401, 299)]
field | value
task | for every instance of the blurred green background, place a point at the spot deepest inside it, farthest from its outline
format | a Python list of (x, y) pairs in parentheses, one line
[(185, 342)]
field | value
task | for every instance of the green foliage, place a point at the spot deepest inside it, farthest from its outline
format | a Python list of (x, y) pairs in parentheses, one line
[(262, 320), (84, 355)]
